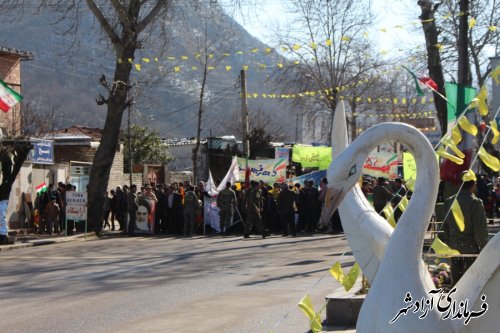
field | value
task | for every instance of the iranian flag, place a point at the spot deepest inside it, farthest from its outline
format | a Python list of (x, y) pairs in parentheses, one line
[(41, 188), (8, 97), (423, 82)]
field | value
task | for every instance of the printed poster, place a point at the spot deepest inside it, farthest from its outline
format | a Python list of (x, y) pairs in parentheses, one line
[(381, 164), (269, 171)]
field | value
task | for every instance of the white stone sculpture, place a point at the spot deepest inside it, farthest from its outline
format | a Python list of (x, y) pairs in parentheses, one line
[(394, 261)]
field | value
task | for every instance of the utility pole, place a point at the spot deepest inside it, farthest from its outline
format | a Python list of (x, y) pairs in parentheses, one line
[(297, 128), (244, 114)]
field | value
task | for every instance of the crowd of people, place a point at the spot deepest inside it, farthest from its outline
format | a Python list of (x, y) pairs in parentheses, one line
[(177, 208)]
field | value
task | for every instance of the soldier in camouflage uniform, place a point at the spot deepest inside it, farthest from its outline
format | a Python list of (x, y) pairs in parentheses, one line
[(226, 201), (191, 207), (254, 210), (475, 234)]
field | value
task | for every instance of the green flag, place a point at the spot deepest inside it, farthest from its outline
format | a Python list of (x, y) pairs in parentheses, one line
[(458, 99)]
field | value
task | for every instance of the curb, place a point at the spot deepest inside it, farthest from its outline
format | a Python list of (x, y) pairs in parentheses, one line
[(40, 242)]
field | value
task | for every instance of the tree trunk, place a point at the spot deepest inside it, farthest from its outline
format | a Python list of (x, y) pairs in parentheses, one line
[(464, 74), (198, 129), (103, 159), (434, 60)]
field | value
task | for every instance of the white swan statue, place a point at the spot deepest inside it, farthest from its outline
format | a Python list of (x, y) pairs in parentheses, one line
[(401, 270)]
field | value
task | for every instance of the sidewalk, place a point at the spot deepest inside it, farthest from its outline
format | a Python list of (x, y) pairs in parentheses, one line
[(33, 239)]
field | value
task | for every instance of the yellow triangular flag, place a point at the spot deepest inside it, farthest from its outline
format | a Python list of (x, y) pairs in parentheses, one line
[(337, 272), (449, 143), (328, 42), (350, 278), (138, 67), (403, 203), (456, 136), (469, 175), (254, 50), (146, 60), (458, 215), (490, 160), (177, 69), (210, 68), (228, 68), (245, 67), (494, 129), (314, 319), (472, 23), (441, 249), (492, 28), (495, 74), (120, 61), (441, 152), (267, 50), (313, 45), (482, 105), (184, 57), (345, 38), (296, 47), (467, 126), (389, 214), (194, 68)]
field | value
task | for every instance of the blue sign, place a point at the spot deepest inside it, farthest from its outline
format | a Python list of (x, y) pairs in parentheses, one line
[(314, 176), (43, 152)]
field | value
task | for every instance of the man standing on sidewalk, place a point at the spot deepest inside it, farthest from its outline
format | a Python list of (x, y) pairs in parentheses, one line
[(226, 201), (254, 210), (287, 201), (132, 208)]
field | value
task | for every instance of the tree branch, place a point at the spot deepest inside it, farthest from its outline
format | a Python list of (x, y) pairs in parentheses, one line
[(160, 4), (104, 23)]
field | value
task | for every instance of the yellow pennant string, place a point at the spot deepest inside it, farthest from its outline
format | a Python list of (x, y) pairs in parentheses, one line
[(267, 50), (494, 129), (448, 141), (472, 23), (245, 67), (389, 214), (313, 45), (228, 68), (120, 61), (456, 136), (177, 69), (347, 281), (314, 319), (492, 28), (467, 126), (442, 249), (458, 215), (469, 175), (146, 60), (490, 160), (328, 42), (296, 47), (345, 38), (441, 152), (138, 67), (186, 57)]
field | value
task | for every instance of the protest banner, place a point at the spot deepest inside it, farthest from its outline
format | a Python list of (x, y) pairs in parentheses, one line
[(381, 164), (311, 157), (269, 171)]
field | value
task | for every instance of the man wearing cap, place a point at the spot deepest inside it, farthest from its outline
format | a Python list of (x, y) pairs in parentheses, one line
[(475, 235)]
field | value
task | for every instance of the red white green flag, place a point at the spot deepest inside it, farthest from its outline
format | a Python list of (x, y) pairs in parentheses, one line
[(423, 82), (41, 188), (8, 97)]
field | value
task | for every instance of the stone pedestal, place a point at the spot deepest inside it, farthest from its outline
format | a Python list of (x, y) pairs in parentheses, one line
[(343, 307)]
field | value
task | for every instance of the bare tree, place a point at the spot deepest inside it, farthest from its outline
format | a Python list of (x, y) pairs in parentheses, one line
[(125, 26), (330, 62)]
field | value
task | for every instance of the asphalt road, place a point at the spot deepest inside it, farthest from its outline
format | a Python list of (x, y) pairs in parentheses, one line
[(165, 284)]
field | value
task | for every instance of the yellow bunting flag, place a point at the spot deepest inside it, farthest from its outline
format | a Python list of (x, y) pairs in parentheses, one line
[(194, 68), (467, 126), (296, 47), (171, 58), (442, 152), (267, 50), (469, 175), (441, 249), (403, 203), (347, 281), (448, 142), (482, 105), (280, 65), (458, 215), (130, 60), (496, 133), (488, 159), (345, 38), (226, 54), (245, 67), (472, 23), (456, 136), (313, 45), (177, 69), (495, 74), (314, 319), (228, 68), (239, 52), (138, 67), (328, 42), (146, 60), (492, 28), (388, 211), (186, 57), (254, 50), (210, 68), (120, 61)]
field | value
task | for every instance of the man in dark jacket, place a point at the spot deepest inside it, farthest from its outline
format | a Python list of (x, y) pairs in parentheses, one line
[(475, 234), (381, 195), (132, 208), (226, 201), (287, 201)]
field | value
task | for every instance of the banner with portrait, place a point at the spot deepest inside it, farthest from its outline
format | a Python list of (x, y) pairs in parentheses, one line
[(269, 171), (145, 216)]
